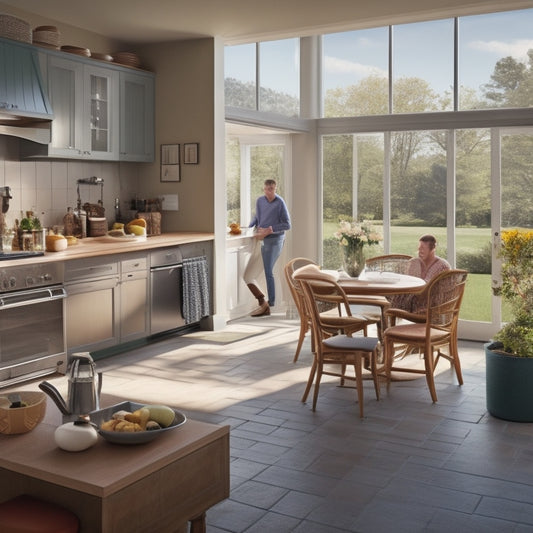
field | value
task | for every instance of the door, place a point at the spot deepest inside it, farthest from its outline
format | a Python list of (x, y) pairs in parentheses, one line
[(65, 88), (101, 113), (136, 117), (166, 298)]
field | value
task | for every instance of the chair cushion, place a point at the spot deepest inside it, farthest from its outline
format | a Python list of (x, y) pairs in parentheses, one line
[(343, 342), (416, 332), (313, 272)]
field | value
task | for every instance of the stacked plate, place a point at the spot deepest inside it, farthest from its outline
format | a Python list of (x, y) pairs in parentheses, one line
[(76, 50), (47, 36), (102, 57), (130, 59), (14, 28)]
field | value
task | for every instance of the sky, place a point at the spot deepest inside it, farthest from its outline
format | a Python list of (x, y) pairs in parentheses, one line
[(423, 50)]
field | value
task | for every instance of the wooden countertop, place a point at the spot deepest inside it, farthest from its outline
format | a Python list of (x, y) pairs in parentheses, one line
[(99, 246), (105, 468)]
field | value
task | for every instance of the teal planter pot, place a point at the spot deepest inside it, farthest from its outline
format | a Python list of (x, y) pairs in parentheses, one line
[(509, 385)]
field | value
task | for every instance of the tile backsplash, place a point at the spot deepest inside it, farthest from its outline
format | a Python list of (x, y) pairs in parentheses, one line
[(48, 187)]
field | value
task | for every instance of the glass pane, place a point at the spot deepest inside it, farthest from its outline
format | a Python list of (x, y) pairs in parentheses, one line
[(494, 64), (266, 162), (516, 187), (355, 73), (233, 181), (423, 67), (352, 188), (473, 221), (418, 189), (279, 75), (517, 181), (240, 76)]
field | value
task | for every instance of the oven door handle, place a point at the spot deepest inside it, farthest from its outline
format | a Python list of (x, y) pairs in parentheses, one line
[(33, 296)]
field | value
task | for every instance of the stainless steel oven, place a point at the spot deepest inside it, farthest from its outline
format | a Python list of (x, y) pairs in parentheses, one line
[(32, 340)]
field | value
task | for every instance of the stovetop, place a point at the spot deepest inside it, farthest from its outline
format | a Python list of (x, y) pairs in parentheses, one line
[(7, 256)]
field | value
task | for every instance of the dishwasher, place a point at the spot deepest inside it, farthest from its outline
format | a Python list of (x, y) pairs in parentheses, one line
[(170, 307), (166, 281)]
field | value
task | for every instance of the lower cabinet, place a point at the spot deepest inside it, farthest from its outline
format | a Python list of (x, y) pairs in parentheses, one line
[(239, 299), (107, 302), (134, 301), (92, 288)]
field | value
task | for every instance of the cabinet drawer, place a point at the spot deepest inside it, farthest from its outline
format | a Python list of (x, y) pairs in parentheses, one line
[(89, 268), (136, 264)]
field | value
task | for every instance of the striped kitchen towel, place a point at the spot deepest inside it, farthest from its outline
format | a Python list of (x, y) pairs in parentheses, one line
[(195, 289)]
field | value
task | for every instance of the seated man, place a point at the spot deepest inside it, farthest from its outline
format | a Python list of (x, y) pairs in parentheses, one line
[(426, 266)]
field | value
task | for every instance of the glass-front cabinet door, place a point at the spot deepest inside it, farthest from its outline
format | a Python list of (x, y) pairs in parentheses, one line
[(101, 112), (86, 109)]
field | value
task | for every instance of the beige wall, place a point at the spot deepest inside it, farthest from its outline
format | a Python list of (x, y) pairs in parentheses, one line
[(184, 114), (70, 35)]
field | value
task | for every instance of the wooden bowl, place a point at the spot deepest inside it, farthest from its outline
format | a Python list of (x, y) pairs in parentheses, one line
[(23, 419)]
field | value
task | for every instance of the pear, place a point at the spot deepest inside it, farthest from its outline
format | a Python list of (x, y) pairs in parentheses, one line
[(161, 414)]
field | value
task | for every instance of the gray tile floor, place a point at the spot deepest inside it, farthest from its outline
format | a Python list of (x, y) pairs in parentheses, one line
[(409, 465)]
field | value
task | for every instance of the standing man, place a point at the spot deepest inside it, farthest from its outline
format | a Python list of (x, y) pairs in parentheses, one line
[(271, 220)]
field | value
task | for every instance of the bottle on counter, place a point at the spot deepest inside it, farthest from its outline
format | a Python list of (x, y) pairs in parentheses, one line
[(81, 215), (118, 215), (70, 222)]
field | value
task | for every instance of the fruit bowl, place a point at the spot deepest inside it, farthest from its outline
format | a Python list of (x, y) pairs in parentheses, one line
[(140, 437), (16, 420)]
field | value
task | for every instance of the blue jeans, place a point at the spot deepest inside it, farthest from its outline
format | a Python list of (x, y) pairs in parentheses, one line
[(271, 247)]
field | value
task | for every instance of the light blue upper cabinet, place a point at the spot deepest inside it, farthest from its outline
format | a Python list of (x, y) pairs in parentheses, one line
[(136, 117), (85, 103)]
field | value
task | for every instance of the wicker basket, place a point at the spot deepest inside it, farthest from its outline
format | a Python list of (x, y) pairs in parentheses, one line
[(153, 222), (14, 28), (97, 227), (46, 36)]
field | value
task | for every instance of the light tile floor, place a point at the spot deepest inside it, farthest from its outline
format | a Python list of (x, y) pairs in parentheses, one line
[(409, 465)]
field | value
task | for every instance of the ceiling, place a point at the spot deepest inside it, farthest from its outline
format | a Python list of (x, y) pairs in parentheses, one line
[(152, 21)]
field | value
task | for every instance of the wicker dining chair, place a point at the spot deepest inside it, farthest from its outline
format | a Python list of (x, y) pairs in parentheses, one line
[(330, 311), (299, 300), (436, 332), (374, 307), (341, 350)]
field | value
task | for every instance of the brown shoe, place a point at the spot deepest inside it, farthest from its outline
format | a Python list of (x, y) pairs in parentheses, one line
[(262, 310)]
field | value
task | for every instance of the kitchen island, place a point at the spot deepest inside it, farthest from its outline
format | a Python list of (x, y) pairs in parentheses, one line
[(158, 486)]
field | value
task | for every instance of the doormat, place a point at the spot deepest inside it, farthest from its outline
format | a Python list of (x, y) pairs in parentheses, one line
[(223, 337)]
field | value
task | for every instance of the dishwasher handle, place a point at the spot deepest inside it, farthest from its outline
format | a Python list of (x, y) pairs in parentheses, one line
[(167, 267)]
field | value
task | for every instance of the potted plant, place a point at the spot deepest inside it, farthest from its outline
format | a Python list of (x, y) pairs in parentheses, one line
[(509, 358), (353, 237)]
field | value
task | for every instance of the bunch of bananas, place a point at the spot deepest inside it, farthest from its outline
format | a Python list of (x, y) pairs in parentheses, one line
[(137, 226)]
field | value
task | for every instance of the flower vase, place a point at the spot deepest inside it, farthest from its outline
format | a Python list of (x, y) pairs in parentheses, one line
[(354, 261)]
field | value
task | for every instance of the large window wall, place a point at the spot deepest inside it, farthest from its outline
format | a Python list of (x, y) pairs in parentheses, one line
[(426, 128), (475, 62)]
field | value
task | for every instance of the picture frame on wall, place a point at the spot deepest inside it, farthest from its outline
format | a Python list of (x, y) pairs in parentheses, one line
[(190, 153), (170, 162)]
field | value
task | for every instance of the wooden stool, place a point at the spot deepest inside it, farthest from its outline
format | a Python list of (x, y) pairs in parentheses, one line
[(26, 514)]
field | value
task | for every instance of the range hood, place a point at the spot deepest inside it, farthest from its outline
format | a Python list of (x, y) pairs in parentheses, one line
[(24, 107)]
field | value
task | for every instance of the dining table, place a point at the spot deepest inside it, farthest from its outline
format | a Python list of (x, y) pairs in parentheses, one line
[(381, 284), (166, 485)]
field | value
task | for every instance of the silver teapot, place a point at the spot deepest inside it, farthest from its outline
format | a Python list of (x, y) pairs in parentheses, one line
[(84, 387)]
